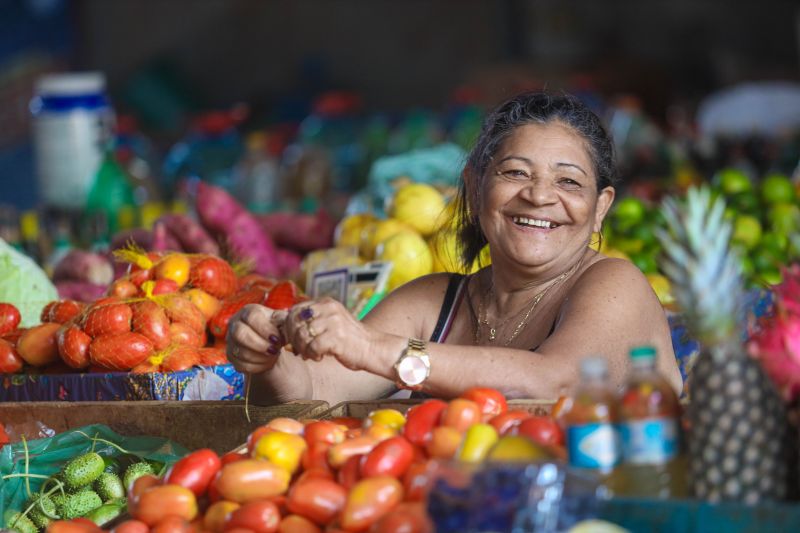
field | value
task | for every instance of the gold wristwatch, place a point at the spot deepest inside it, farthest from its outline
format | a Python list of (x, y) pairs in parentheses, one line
[(414, 365)]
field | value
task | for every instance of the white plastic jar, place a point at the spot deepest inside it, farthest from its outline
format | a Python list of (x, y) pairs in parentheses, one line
[(72, 124)]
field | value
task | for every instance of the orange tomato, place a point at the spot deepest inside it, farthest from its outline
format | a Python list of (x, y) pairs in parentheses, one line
[(217, 514), (316, 498), (287, 425), (207, 304), (369, 500), (461, 414), (159, 502), (297, 524), (250, 480), (506, 422), (444, 442), (259, 517), (339, 453), (38, 345), (490, 401), (324, 431), (131, 526)]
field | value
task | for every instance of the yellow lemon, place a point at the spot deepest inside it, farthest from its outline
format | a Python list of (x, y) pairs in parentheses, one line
[(376, 232), (410, 257), (348, 231), (516, 448), (420, 206), (661, 286)]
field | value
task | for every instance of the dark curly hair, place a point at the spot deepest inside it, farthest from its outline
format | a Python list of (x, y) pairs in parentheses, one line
[(523, 109)]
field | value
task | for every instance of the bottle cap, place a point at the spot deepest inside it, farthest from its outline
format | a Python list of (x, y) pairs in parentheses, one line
[(71, 84), (640, 353), (594, 367), (29, 225)]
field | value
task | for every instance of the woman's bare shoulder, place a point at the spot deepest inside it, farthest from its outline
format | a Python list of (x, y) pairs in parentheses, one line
[(610, 273)]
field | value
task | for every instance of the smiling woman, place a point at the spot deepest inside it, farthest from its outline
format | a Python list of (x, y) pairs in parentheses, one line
[(537, 185)]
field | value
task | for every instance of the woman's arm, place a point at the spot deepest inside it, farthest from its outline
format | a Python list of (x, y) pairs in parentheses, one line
[(610, 309)]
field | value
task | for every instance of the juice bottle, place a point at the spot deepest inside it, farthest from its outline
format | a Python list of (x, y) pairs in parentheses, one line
[(592, 436), (649, 412)]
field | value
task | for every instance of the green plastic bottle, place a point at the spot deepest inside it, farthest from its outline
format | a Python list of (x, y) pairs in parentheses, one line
[(111, 192)]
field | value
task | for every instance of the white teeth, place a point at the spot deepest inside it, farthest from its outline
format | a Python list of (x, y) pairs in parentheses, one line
[(534, 222)]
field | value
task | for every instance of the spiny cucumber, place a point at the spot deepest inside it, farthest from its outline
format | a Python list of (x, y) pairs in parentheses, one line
[(43, 510), (109, 487), (79, 504), (105, 513), (83, 470), (15, 521), (135, 471)]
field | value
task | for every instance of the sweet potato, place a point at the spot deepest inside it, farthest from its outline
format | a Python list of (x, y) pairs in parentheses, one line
[(192, 236), (80, 265), (289, 262), (300, 232), (216, 208)]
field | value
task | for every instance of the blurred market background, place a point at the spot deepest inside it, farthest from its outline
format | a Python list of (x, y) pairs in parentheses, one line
[(346, 123)]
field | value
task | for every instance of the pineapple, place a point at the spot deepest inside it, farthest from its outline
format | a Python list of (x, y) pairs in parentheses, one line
[(737, 422)]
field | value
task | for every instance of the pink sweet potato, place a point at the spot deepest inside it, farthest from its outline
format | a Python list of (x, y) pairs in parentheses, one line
[(289, 262), (238, 228), (300, 232), (192, 236), (80, 265)]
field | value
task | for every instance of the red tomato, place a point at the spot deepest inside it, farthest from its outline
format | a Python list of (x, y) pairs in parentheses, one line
[(316, 456), (159, 502), (350, 422), (541, 430), (195, 471), (73, 346), (419, 479), (257, 516), (212, 356), (218, 325), (108, 319), (491, 401), (14, 336), (38, 345), (10, 361), (350, 473), (323, 431), (314, 473), (339, 453), (151, 321), (44, 316), (391, 457), (215, 276), (461, 414), (318, 499), (369, 501), (63, 311), (407, 517), (172, 524), (9, 318), (76, 525), (164, 286), (421, 419), (123, 288), (131, 526), (297, 524), (232, 457), (282, 296), (251, 480), (507, 421), (121, 351)]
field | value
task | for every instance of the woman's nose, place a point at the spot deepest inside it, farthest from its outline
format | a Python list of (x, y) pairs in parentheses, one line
[(539, 192)]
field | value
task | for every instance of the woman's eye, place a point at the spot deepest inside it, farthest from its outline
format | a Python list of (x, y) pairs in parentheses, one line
[(570, 183), (514, 173)]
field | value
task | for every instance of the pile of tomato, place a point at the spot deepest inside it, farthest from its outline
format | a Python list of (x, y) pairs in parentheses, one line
[(344, 474)]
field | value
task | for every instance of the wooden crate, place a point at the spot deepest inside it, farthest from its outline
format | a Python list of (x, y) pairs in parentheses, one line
[(219, 425), (361, 409)]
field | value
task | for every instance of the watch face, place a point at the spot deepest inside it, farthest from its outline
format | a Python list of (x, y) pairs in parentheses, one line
[(412, 370)]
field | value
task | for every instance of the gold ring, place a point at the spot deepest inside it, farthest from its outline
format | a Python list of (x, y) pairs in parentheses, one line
[(311, 329)]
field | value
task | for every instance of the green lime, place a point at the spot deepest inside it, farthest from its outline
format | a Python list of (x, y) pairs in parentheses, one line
[(776, 242), (645, 233), (745, 202), (629, 212), (784, 218), (771, 276), (646, 263), (733, 181), (746, 231), (778, 188)]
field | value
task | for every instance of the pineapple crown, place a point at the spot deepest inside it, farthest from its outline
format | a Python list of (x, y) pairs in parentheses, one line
[(704, 271)]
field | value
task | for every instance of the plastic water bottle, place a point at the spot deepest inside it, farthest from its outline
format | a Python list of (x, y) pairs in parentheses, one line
[(649, 413), (592, 435), (72, 121)]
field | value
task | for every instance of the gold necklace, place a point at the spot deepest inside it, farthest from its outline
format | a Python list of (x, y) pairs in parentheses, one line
[(483, 319)]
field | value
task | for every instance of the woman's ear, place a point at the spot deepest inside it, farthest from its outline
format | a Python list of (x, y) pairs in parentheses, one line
[(604, 201)]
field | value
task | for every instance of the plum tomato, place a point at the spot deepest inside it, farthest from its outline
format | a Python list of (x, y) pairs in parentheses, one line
[(195, 471), (258, 516), (491, 401), (9, 318)]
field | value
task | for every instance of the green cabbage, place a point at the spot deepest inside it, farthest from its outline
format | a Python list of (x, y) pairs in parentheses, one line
[(24, 284)]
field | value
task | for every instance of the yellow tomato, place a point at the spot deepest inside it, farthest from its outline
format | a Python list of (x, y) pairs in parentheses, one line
[(217, 514), (175, 267), (284, 450), (477, 442), (390, 418)]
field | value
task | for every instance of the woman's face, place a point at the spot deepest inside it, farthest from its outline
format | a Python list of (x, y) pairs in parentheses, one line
[(539, 204)]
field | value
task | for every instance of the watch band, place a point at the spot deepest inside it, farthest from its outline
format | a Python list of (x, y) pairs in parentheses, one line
[(414, 366)]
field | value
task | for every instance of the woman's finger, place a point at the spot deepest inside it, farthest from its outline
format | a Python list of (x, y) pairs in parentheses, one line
[(241, 334)]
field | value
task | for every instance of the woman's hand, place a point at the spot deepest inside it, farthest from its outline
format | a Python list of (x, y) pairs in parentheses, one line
[(325, 328), (254, 338)]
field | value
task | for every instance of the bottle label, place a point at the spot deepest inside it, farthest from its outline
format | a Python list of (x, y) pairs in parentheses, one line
[(649, 441), (593, 445)]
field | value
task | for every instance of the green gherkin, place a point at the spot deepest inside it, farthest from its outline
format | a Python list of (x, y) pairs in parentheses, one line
[(737, 421)]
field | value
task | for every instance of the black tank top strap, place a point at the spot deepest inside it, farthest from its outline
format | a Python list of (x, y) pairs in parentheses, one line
[(452, 300)]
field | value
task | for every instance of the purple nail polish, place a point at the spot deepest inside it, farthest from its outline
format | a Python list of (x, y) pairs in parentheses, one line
[(274, 339), (306, 313), (273, 350)]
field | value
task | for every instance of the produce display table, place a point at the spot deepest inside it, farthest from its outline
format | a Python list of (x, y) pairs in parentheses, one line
[(220, 382), (219, 425), (361, 409)]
